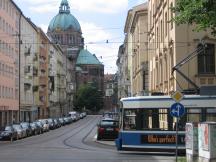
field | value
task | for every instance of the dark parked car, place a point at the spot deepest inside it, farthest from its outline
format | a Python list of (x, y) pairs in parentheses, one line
[(26, 126), (40, 126), (35, 128), (9, 133), (107, 129), (51, 123), (21, 133), (62, 121)]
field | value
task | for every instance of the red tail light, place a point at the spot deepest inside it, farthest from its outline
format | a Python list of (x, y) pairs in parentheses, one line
[(101, 130), (116, 129)]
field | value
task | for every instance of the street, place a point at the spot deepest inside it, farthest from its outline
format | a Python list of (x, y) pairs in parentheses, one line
[(74, 143)]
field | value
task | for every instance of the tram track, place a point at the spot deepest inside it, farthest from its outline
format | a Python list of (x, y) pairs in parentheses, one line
[(82, 140)]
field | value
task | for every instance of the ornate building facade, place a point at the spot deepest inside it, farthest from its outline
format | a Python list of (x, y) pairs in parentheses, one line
[(170, 44)]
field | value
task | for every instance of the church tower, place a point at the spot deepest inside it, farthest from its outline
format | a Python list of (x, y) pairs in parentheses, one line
[(65, 30)]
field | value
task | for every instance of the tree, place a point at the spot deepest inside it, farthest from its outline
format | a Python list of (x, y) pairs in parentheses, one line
[(199, 12), (88, 97)]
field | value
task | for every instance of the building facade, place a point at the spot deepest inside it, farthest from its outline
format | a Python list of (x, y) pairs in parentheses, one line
[(57, 82), (10, 16), (43, 111), (123, 76), (139, 33), (111, 92), (171, 43), (28, 71), (128, 52)]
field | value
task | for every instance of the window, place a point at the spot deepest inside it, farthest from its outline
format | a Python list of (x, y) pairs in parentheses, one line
[(206, 60), (171, 15), (161, 71), (157, 33), (171, 59), (161, 32), (166, 24), (144, 80)]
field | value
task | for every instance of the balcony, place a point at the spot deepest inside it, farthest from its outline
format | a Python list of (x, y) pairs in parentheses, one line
[(35, 88), (35, 71), (43, 80), (27, 51), (27, 86)]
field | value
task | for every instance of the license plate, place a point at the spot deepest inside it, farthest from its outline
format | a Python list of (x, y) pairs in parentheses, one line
[(109, 129)]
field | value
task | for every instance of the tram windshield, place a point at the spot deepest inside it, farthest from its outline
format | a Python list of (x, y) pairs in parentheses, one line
[(160, 119)]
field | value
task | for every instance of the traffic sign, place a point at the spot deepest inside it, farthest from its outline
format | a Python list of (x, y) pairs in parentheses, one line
[(177, 110), (177, 96)]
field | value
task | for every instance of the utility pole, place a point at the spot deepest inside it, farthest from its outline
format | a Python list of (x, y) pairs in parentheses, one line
[(19, 37)]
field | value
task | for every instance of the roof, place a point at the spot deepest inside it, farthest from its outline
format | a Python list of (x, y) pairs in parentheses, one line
[(64, 20), (86, 58)]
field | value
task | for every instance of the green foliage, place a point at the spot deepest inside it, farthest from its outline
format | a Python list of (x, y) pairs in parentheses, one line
[(88, 97), (199, 12)]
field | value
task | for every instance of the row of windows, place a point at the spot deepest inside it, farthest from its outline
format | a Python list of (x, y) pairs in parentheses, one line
[(6, 27), (205, 63), (7, 49), (159, 119), (163, 24), (6, 70), (6, 92), (163, 68), (68, 39)]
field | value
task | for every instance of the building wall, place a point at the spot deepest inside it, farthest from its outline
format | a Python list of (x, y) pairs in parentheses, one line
[(138, 30), (170, 44), (91, 74), (9, 64), (28, 71), (43, 74), (71, 42), (57, 87)]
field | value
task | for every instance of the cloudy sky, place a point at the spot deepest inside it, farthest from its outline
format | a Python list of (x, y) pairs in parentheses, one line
[(100, 20)]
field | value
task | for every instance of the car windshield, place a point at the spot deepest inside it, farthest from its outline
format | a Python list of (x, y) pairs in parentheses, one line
[(39, 123), (24, 125), (18, 127), (8, 128), (33, 124), (108, 122)]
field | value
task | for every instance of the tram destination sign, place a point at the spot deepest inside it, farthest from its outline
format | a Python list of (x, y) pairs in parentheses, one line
[(161, 139)]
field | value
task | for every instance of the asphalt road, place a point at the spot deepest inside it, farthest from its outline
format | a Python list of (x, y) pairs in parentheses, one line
[(71, 143)]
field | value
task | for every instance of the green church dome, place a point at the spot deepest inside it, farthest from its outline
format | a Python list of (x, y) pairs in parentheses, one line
[(64, 20), (86, 58)]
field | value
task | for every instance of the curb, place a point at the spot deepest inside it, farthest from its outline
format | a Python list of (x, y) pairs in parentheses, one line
[(104, 142)]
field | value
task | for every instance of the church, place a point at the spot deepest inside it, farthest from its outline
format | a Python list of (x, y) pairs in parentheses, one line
[(81, 66)]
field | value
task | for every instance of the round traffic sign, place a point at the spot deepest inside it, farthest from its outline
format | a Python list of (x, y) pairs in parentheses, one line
[(177, 110)]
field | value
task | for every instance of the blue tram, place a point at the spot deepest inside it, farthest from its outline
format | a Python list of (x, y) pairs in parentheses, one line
[(146, 123)]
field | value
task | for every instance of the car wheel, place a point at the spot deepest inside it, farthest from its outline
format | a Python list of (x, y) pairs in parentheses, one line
[(98, 137)]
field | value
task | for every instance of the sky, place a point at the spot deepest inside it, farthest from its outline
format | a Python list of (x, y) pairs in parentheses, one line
[(101, 21)]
